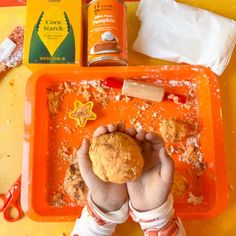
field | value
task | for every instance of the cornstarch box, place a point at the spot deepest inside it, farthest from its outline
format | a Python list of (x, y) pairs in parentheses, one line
[(54, 32)]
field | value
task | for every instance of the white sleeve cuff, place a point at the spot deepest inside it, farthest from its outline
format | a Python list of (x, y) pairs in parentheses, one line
[(94, 222), (156, 218), (116, 217)]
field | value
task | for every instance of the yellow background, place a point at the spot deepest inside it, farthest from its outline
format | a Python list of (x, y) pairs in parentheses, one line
[(12, 89)]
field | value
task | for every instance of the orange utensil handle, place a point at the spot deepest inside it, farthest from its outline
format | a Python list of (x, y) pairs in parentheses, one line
[(4, 199), (10, 201), (7, 214)]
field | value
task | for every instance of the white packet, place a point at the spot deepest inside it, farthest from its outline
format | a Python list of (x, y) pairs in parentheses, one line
[(181, 33), (6, 49)]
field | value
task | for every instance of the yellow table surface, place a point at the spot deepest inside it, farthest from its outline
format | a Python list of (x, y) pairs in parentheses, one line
[(12, 90)]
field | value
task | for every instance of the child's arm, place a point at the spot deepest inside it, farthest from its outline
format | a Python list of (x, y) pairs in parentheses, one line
[(150, 202), (107, 203), (160, 221), (95, 222)]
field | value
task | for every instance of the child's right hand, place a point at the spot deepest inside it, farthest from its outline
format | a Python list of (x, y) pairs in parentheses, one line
[(107, 196), (152, 189)]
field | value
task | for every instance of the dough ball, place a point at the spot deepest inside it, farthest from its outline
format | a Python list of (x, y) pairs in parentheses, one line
[(172, 131), (116, 157), (179, 186)]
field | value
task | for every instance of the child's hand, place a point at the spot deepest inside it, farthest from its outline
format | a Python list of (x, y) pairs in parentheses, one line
[(152, 188), (107, 196)]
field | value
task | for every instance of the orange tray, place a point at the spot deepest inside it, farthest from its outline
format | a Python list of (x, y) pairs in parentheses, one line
[(43, 135)]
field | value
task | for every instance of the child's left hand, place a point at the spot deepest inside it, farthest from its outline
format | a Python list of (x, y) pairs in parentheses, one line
[(107, 196)]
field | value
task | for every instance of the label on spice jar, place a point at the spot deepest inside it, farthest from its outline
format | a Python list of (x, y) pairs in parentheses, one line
[(107, 33)]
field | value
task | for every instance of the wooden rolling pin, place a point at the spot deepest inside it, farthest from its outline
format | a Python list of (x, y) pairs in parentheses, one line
[(134, 88)]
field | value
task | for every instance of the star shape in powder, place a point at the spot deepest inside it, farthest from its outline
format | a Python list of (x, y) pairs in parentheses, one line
[(82, 113)]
